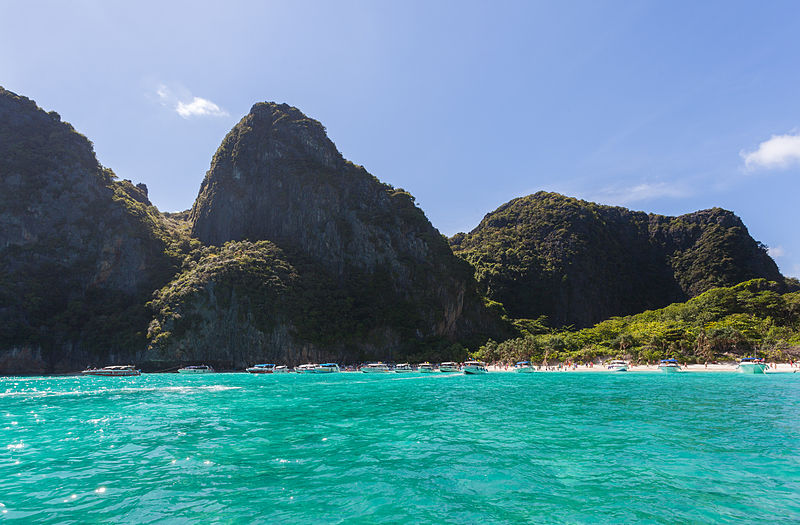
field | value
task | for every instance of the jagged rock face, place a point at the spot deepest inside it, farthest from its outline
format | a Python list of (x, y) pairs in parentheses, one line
[(578, 262), (77, 248), (277, 177)]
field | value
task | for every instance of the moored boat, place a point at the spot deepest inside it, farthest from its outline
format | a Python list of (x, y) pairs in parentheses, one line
[(308, 368), (752, 365), (474, 367), (196, 369), (326, 368), (403, 368), (449, 367), (669, 366), (113, 371), (281, 369), (425, 368), (523, 367), (261, 369), (617, 365), (375, 368)]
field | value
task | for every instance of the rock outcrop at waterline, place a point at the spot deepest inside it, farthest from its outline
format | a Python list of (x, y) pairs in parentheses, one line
[(373, 279), (80, 251), (578, 263)]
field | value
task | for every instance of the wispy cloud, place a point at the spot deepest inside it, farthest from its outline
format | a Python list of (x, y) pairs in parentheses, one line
[(186, 105), (642, 192), (776, 251), (780, 151)]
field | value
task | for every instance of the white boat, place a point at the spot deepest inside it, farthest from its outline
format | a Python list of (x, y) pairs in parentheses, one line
[(524, 367), (375, 368), (281, 369), (669, 366), (113, 371), (474, 367), (425, 368), (261, 369), (196, 369), (403, 368), (449, 367), (752, 365), (326, 368), (617, 365), (308, 368)]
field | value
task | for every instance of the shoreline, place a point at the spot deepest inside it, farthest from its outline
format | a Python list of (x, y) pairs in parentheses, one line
[(774, 368)]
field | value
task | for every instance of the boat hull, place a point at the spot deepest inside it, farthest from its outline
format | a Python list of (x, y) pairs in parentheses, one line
[(375, 370), (194, 371), (112, 373), (670, 369), (425, 370), (752, 368), (475, 370), (259, 371), (449, 370), (524, 370), (618, 369)]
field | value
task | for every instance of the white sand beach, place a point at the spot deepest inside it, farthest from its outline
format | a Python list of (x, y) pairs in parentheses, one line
[(694, 368)]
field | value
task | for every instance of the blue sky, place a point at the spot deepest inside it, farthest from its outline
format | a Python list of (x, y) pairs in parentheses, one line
[(665, 107)]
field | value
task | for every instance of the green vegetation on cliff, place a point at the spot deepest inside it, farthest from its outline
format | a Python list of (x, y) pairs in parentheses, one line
[(751, 318), (248, 301), (80, 250), (578, 262)]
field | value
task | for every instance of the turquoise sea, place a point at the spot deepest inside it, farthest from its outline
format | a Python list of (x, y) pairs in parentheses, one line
[(357, 448)]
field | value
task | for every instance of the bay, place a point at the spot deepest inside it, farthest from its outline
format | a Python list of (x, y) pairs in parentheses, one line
[(436, 448)]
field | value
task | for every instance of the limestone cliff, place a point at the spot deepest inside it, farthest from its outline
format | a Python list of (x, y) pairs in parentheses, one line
[(80, 251), (376, 279), (579, 263)]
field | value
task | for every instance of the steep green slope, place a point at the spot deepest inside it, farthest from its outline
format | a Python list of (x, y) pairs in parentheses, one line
[(578, 262), (80, 251), (751, 318)]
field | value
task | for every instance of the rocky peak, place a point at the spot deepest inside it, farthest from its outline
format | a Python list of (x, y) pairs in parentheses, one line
[(277, 177)]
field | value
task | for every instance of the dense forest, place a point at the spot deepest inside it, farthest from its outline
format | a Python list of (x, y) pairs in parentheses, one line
[(752, 318)]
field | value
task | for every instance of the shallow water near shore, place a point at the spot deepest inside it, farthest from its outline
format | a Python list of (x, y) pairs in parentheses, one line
[(435, 448)]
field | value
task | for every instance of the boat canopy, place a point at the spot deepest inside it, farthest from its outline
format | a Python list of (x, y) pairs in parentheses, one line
[(752, 359), (328, 364), (265, 365), (523, 362), (669, 360)]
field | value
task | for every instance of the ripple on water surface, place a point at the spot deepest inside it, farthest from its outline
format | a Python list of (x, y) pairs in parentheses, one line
[(420, 448)]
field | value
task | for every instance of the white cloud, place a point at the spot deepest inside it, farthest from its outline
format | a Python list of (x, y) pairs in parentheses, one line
[(780, 151), (643, 192), (199, 107), (776, 251), (186, 105)]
